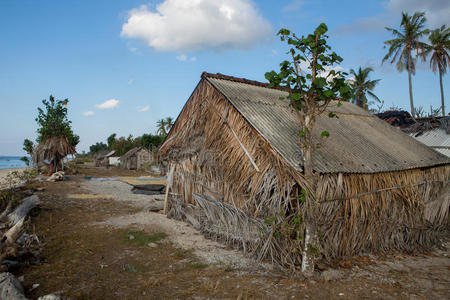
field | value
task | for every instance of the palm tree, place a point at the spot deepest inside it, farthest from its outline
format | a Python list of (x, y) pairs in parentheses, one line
[(440, 59), (407, 40), (169, 123), (161, 124), (361, 86)]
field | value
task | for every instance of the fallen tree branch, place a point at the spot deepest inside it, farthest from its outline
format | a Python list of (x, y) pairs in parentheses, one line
[(14, 232), (22, 210)]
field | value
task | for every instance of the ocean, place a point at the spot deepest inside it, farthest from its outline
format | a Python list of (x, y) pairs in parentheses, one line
[(11, 162)]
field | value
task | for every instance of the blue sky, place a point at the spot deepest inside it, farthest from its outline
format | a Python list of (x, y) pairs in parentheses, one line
[(146, 57)]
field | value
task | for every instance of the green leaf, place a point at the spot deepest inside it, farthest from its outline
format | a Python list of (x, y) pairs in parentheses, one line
[(322, 29), (339, 104), (296, 96), (332, 115), (319, 82), (301, 133), (325, 134), (281, 98), (328, 93)]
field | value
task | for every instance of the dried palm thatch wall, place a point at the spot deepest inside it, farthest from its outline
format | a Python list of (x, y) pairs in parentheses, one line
[(231, 184), (54, 148)]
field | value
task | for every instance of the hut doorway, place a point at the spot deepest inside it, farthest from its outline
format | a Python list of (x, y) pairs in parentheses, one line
[(133, 163)]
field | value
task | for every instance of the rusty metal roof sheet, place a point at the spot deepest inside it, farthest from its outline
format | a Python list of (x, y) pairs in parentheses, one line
[(359, 142)]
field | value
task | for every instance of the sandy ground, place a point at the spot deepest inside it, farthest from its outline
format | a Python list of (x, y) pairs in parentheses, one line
[(4, 174), (88, 254), (180, 233)]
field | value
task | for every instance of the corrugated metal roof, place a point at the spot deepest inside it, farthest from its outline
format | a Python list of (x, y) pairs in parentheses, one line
[(437, 138), (359, 142)]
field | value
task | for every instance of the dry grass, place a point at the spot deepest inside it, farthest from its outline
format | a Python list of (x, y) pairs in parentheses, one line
[(206, 155)]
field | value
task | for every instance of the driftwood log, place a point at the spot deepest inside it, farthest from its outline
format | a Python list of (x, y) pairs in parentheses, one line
[(23, 209)]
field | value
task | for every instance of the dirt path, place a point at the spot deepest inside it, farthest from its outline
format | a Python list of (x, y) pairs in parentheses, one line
[(109, 248)]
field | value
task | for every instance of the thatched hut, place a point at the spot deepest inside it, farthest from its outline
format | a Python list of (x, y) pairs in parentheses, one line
[(136, 158), (235, 172), (101, 159), (53, 150), (432, 131)]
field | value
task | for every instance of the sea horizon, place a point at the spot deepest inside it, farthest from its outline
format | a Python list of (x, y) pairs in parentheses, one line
[(11, 162)]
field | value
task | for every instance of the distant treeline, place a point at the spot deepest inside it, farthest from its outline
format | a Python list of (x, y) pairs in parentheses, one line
[(124, 144)]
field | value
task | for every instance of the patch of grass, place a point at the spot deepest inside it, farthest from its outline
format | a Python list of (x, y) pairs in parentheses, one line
[(182, 253), (198, 266), (141, 238)]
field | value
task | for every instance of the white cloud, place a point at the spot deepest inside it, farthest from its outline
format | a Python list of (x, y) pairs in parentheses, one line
[(182, 57), (437, 12), (111, 103), (143, 108), (294, 5), (88, 113), (130, 81), (133, 49), (189, 25)]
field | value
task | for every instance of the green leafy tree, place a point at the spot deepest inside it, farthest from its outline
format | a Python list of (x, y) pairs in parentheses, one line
[(111, 140), (440, 59), (151, 141), (407, 40), (53, 121), (310, 90), (98, 147), (28, 147), (26, 160), (362, 86)]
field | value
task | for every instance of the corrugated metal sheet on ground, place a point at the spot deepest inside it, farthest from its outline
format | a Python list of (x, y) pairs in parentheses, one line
[(359, 142), (437, 138)]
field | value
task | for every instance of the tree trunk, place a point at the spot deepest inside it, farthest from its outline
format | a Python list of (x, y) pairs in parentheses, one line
[(442, 94), (411, 102), (310, 230)]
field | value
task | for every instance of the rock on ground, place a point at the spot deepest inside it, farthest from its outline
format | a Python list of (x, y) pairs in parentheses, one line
[(10, 287)]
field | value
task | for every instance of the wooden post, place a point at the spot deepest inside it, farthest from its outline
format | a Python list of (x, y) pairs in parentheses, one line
[(168, 186)]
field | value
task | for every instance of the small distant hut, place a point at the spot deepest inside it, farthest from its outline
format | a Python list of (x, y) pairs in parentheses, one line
[(102, 158), (136, 158), (53, 150), (235, 170)]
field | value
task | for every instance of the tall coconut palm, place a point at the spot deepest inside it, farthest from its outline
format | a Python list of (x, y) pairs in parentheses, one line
[(169, 123), (362, 86), (161, 124), (407, 39), (440, 59)]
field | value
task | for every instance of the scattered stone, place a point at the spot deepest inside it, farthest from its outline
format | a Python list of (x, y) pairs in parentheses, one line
[(10, 287), (34, 286), (21, 278), (154, 206), (331, 274), (153, 245), (50, 297), (40, 189), (341, 294), (131, 237)]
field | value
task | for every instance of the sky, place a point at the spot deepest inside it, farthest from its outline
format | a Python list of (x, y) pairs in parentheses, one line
[(123, 65)]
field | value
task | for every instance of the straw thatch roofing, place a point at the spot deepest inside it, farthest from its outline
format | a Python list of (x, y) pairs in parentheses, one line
[(131, 152), (55, 147), (359, 142)]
